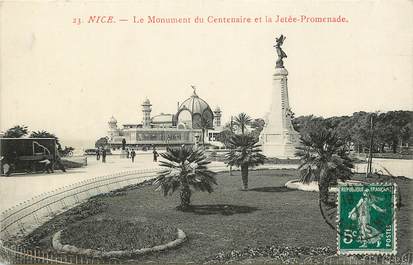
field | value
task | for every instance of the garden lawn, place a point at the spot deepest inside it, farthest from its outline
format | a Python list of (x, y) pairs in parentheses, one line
[(230, 219)]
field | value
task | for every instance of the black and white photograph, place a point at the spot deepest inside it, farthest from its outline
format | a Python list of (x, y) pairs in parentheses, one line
[(206, 132)]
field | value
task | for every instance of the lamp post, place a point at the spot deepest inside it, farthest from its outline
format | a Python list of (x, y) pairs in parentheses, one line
[(370, 157), (232, 131)]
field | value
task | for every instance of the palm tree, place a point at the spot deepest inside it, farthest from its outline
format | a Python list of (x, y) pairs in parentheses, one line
[(185, 168), (242, 120), (16, 131), (323, 159), (244, 152), (45, 134), (205, 125)]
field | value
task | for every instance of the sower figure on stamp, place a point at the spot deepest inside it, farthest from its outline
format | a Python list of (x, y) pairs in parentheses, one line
[(361, 213)]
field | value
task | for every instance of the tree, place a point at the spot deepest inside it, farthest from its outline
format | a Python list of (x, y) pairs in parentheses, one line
[(224, 136), (45, 134), (205, 125), (67, 151), (407, 133), (16, 131), (257, 126), (390, 129), (242, 120), (323, 159), (308, 124), (185, 168), (396, 123), (244, 152), (101, 142)]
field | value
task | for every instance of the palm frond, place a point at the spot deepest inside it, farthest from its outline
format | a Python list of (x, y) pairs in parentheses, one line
[(244, 149), (321, 152), (185, 165)]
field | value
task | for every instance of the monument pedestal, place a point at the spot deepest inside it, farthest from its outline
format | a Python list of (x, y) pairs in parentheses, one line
[(279, 150), (278, 138)]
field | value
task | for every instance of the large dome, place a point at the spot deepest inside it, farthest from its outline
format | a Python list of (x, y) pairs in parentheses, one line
[(192, 111), (112, 120)]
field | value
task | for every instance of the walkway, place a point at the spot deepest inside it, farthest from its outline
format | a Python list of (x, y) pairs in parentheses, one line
[(21, 187), (396, 167)]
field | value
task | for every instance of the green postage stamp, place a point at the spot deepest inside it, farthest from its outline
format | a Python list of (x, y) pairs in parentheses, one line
[(367, 219)]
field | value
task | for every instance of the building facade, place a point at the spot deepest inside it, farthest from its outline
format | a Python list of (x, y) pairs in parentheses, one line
[(193, 123)]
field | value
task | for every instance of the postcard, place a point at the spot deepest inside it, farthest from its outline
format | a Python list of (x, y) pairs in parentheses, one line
[(206, 132)]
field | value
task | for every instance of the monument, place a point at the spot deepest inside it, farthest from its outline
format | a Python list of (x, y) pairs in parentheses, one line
[(278, 138)]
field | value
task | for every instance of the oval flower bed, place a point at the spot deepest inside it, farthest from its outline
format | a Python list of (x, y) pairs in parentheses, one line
[(114, 238), (296, 184)]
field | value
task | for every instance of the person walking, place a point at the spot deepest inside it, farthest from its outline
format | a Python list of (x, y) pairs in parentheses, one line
[(132, 155), (128, 153), (59, 163), (155, 155), (98, 154), (6, 166), (47, 165), (103, 155)]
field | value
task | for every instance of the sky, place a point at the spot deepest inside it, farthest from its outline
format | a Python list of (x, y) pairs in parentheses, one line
[(70, 79)]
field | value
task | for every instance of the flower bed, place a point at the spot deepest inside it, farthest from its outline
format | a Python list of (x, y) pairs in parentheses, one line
[(296, 184), (272, 254), (111, 234)]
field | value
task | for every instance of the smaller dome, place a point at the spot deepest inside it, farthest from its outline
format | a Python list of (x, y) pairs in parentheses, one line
[(113, 120), (146, 102)]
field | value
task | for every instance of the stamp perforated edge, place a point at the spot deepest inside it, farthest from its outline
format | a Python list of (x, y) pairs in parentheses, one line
[(369, 252)]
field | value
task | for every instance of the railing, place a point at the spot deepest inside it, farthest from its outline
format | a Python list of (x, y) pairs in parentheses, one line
[(21, 255), (23, 218), (20, 220)]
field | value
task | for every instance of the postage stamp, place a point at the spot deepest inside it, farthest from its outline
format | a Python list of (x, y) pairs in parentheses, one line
[(367, 219)]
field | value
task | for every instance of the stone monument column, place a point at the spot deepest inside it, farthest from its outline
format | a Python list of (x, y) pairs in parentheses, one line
[(278, 138)]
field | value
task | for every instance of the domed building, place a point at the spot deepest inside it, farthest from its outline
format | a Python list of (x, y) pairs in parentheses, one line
[(194, 113), (193, 118)]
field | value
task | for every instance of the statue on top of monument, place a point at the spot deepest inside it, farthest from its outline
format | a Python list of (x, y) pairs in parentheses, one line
[(281, 54), (194, 88)]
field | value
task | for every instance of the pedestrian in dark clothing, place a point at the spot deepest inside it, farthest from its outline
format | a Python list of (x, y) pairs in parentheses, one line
[(155, 156), (127, 153), (132, 155), (59, 163), (98, 154), (104, 156), (6, 166), (47, 165)]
